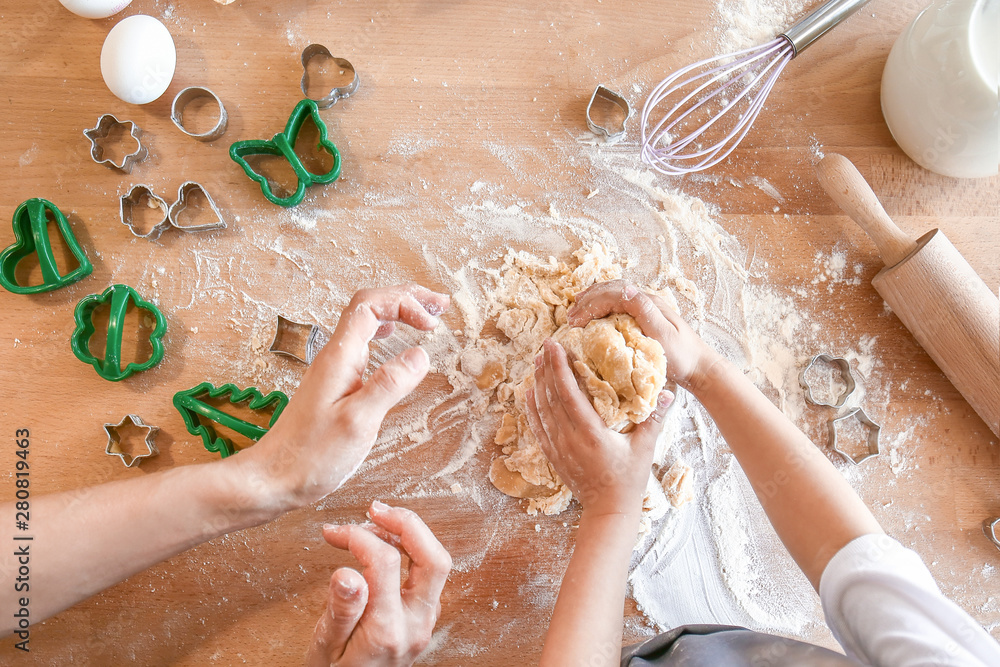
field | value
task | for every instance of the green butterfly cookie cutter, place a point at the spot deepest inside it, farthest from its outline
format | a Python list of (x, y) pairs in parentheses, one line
[(194, 410), (31, 229), (119, 298), (283, 145)]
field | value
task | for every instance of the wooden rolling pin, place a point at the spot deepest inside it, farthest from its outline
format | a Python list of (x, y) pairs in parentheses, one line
[(928, 284)]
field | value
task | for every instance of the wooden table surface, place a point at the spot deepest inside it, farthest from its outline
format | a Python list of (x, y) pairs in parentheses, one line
[(451, 94)]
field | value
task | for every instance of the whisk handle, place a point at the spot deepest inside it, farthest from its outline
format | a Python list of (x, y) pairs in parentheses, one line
[(819, 21)]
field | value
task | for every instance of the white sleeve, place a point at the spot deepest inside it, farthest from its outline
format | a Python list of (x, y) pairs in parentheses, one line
[(885, 609)]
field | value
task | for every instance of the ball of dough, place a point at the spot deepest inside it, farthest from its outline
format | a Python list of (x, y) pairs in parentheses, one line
[(623, 369)]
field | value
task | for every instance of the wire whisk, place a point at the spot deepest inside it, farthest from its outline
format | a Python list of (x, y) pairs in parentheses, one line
[(722, 96)]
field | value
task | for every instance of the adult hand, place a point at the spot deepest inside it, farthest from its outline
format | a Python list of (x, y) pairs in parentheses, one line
[(331, 422), (605, 470), (689, 358), (370, 618)]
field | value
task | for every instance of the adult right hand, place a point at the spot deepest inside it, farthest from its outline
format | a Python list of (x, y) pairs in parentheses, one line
[(689, 358), (332, 421)]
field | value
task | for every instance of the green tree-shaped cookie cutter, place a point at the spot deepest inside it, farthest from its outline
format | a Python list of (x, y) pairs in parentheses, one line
[(193, 409), (119, 297), (31, 231), (283, 145)]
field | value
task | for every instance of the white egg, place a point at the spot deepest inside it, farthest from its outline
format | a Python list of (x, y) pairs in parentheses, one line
[(95, 9), (138, 59)]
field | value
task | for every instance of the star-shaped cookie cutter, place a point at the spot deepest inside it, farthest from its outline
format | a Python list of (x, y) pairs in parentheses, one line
[(114, 447), (845, 372), (105, 124), (870, 426), (336, 94)]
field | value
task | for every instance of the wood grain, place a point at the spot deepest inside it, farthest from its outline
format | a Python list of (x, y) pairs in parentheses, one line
[(451, 94)]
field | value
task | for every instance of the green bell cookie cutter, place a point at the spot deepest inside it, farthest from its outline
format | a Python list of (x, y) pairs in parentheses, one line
[(283, 145), (193, 410), (31, 229), (119, 297)]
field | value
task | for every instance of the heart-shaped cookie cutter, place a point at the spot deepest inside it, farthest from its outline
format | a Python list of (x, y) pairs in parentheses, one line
[(31, 234), (105, 125), (336, 94), (183, 193)]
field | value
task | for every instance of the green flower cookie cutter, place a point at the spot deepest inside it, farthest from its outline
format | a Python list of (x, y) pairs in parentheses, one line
[(283, 145), (198, 414), (31, 231), (119, 298)]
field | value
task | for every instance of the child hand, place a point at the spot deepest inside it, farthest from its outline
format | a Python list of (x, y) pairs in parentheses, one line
[(370, 618), (605, 470), (689, 358), (332, 421)]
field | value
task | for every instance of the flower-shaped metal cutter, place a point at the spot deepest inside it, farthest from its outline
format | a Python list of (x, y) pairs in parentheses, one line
[(114, 447), (845, 372), (133, 198), (870, 426), (105, 125), (336, 94)]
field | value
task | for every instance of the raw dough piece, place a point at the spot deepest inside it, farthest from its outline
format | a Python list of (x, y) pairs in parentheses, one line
[(678, 484), (622, 369)]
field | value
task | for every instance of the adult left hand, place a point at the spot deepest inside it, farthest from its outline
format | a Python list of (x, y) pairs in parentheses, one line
[(372, 619)]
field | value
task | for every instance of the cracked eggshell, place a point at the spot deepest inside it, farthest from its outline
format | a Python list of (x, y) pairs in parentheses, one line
[(95, 9), (138, 59)]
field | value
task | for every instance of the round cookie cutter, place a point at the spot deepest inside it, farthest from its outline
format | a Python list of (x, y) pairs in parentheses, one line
[(189, 95), (336, 94)]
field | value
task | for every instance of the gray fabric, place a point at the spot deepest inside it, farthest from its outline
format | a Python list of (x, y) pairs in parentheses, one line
[(727, 646)]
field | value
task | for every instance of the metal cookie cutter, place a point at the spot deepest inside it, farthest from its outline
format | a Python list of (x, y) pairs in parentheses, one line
[(178, 207), (607, 96), (990, 530), (845, 372), (104, 127), (331, 98), (187, 96), (114, 447), (129, 201), (297, 340), (873, 435)]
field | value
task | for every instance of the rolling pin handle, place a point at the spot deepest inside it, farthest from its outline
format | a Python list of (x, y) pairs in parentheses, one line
[(846, 186)]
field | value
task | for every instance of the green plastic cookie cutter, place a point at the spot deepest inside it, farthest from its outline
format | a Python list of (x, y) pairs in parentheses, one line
[(283, 145), (31, 229), (195, 411), (119, 297)]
